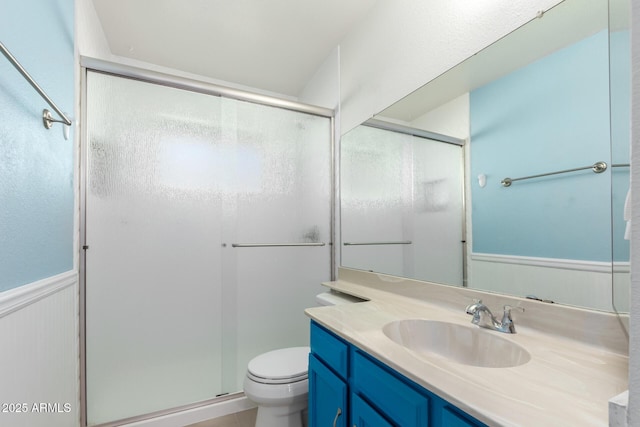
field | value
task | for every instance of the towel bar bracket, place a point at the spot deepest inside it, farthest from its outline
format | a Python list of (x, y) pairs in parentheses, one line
[(48, 120)]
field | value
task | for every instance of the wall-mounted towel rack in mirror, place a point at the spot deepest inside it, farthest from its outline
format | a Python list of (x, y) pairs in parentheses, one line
[(269, 245), (47, 118), (597, 167)]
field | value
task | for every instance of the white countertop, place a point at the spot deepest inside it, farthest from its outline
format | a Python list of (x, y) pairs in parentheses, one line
[(567, 382)]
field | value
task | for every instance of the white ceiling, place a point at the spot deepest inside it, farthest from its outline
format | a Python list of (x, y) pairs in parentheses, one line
[(272, 45)]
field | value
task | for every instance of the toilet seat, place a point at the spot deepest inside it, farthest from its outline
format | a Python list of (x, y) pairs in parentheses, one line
[(283, 366)]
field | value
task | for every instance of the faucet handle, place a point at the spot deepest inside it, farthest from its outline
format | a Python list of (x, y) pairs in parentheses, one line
[(508, 308), (507, 322)]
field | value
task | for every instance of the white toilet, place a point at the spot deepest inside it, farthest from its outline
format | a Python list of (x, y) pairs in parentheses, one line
[(278, 380)]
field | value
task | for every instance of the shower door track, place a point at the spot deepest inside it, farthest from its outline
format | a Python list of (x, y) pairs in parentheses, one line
[(192, 85)]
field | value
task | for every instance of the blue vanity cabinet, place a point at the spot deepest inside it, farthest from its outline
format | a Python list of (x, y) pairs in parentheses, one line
[(369, 393)]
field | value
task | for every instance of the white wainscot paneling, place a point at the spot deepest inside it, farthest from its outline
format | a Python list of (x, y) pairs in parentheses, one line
[(39, 358), (578, 283)]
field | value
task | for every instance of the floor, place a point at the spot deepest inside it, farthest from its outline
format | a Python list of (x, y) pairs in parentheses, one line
[(240, 419)]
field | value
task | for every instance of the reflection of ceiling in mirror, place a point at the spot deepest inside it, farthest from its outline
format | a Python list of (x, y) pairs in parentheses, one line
[(561, 26)]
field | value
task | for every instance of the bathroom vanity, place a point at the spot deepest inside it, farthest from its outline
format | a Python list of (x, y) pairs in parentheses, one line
[(343, 379), (361, 373)]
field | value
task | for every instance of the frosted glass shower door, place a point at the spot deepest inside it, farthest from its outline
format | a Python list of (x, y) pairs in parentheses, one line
[(279, 227), (155, 163), (208, 226)]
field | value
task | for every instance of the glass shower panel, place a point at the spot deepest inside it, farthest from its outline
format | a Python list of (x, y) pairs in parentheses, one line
[(155, 172), (281, 195)]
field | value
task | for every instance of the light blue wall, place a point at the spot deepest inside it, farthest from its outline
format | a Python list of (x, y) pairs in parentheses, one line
[(36, 165), (548, 116)]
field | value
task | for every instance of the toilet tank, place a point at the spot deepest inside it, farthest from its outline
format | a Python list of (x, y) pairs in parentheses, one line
[(333, 297)]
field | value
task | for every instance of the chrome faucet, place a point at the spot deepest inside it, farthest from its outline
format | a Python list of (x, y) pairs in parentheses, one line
[(483, 317)]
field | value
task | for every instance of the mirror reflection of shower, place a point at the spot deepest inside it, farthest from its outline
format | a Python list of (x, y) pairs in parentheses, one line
[(521, 105)]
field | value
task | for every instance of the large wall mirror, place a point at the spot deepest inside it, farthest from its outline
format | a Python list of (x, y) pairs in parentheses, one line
[(509, 173)]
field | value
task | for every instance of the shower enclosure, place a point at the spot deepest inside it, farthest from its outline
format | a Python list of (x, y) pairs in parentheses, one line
[(207, 231)]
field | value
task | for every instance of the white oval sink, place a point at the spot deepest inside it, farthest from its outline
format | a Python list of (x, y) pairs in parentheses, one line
[(468, 345)]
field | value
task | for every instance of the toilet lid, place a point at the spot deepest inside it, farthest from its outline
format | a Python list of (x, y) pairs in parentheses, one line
[(286, 364)]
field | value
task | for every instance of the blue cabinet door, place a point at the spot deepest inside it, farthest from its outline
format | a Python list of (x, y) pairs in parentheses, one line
[(389, 393), (327, 396), (363, 415)]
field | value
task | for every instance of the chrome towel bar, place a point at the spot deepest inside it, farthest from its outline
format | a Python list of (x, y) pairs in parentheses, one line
[(47, 118), (268, 245), (598, 167), (402, 242)]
